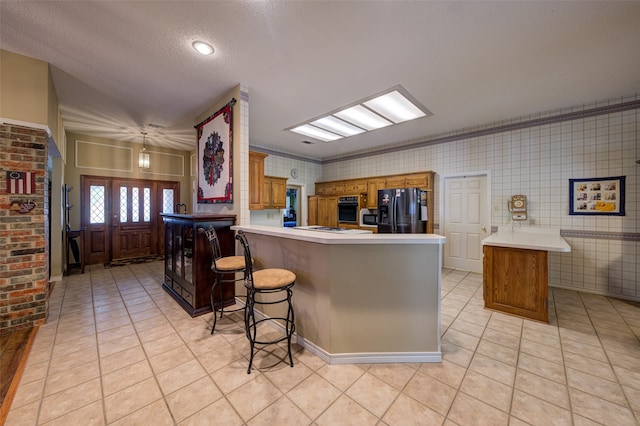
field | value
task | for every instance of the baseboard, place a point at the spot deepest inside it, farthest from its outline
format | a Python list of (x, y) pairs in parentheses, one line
[(357, 358), (13, 387)]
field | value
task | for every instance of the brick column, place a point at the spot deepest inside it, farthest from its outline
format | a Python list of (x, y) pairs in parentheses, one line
[(24, 244)]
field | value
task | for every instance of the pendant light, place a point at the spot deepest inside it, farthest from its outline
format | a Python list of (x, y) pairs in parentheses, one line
[(143, 157)]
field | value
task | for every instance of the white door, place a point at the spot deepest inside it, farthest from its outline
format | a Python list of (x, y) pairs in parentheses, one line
[(466, 221)]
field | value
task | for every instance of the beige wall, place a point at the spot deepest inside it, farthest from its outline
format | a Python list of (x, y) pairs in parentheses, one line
[(94, 156), (24, 88), (238, 143)]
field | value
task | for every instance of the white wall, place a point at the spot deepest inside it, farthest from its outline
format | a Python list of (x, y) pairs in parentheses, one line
[(538, 162)]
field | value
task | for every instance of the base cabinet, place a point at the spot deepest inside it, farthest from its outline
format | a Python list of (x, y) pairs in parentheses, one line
[(187, 260), (516, 281)]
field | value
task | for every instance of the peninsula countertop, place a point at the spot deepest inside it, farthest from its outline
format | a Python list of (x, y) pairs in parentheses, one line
[(532, 238), (341, 237)]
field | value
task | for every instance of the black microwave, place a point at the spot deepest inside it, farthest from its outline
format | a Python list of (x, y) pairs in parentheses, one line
[(369, 219)]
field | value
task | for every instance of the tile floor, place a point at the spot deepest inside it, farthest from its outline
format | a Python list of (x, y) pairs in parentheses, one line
[(118, 350)]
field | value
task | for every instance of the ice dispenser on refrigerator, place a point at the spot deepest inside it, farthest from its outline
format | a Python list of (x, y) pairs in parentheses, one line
[(402, 211)]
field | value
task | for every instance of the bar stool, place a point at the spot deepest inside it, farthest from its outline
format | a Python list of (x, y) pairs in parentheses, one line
[(221, 266), (266, 282)]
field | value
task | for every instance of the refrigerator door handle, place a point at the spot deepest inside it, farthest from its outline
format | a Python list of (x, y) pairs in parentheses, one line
[(394, 214)]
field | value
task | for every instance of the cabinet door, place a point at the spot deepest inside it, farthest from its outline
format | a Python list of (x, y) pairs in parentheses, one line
[(267, 193), (373, 185), (395, 182), (417, 180), (328, 211), (256, 180), (355, 187), (312, 208), (278, 193), (515, 281)]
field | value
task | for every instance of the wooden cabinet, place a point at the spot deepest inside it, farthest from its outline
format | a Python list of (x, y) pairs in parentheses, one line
[(275, 192), (355, 187), (256, 180), (312, 207), (373, 185), (187, 260), (328, 211), (516, 281)]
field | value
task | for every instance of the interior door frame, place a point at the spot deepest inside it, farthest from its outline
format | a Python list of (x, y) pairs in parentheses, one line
[(443, 196)]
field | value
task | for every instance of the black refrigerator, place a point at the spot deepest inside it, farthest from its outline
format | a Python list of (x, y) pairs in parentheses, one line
[(402, 211)]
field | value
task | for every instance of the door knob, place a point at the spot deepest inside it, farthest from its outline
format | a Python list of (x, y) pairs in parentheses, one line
[(484, 229)]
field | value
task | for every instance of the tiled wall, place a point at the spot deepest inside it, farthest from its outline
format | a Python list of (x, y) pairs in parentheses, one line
[(538, 161)]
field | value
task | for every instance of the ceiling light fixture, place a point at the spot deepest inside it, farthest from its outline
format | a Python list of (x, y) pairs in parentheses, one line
[(393, 106), (202, 47), (143, 157)]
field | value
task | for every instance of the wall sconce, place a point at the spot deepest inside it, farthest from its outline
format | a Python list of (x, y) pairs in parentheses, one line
[(143, 157)]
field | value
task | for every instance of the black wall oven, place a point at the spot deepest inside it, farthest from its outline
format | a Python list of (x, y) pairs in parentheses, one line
[(348, 209)]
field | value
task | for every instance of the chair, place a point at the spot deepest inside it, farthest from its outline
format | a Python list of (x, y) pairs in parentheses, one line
[(266, 282), (221, 266)]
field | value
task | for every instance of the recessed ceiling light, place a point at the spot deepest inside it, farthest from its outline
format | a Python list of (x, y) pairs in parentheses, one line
[(393, 106), (202, 47)]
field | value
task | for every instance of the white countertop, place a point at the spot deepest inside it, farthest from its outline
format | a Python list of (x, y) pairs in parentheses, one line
[(341, 237), (531, 238)]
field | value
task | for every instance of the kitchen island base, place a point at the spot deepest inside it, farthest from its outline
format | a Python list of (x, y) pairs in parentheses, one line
[(360, 298)]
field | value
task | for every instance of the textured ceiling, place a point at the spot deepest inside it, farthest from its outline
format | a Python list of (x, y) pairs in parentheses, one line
[(120, 66)]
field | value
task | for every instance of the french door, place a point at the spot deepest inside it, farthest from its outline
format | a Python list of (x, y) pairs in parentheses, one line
[(121, 216)]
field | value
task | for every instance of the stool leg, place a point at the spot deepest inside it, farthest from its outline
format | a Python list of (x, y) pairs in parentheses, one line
[(218, 284), (250, 325), (290, 326)]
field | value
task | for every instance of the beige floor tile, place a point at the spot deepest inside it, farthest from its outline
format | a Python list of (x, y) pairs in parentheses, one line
[(346, 412), (549, 353), (445, 371), (192, 398), (131, 399), (341, 376), (538, 412), (121, 359), (282, 412), (34, 371), (406, 411), (156, 414), (605, 389), (376, 402), (628, 361), (456, 354), (116, 333), (221, 411), (487, 390), (233, 376), (494, 369), (498, 352), (314, 395), (506, 324), (628, 378), (633, 396), (461, 339), (599, 410), (69, 400), (162, 345), (125, 377), (396, 375), (113, 346), (589, 365), (285, 378), (69, 346), (253, 397), (542, 338), (180, 376), (27, 393), (468, 327), (89, 415), (24, 415), (73, 360), (149, 323), (430, 392), (72, 377), (511, 341), (309, 359), (214, 360), (545, 389), (170, 359), (542, 367), (112, 323), (466, 410)]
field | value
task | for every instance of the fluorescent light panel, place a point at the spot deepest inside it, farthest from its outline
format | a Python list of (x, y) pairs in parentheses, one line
[(395, 107), (381, 111)]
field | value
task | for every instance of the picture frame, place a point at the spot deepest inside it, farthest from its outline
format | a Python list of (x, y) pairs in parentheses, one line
[(215, 159), (597, 196)]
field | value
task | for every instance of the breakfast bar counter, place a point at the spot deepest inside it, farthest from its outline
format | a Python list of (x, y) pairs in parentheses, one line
[(358, 298)]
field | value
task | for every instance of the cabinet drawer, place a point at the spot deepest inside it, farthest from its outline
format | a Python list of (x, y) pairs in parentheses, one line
[(187, 296)]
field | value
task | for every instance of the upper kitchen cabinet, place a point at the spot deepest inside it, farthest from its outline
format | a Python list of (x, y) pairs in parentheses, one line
[(373, 185), (355, 187), (256, 180), (413, 180), (275, 192)]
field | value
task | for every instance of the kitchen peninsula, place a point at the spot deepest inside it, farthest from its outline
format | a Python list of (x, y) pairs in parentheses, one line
[(358, 298)]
